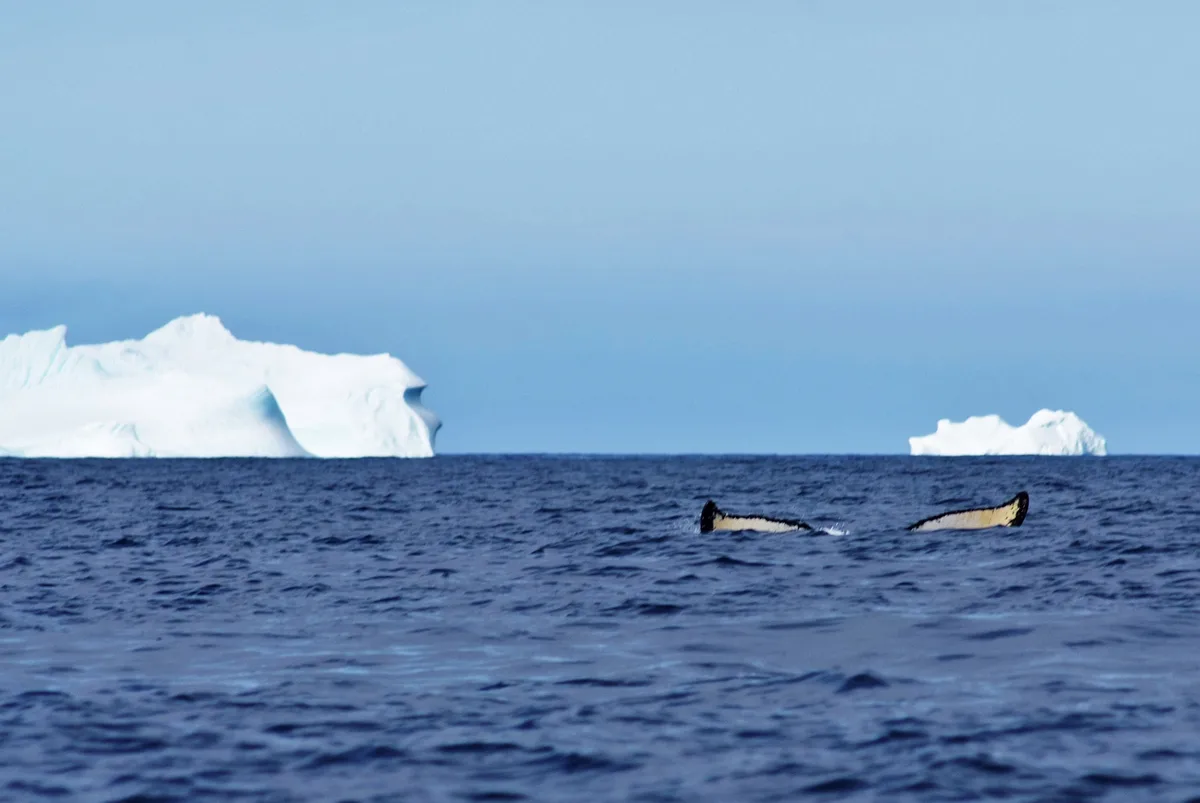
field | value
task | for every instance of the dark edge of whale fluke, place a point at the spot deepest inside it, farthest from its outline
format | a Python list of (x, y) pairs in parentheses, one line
[(1022, 500), (798, 524), (707, 515)]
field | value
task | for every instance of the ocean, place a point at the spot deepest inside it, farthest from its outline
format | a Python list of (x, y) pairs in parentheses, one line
[(557, 629)]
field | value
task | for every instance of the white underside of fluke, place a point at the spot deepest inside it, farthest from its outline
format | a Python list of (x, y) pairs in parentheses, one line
[(756, 523)]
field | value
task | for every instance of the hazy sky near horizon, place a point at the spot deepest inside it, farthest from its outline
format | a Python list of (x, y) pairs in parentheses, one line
[(791, 227)]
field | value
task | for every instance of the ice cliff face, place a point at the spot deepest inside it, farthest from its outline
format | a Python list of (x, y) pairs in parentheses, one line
[(191, 389), (1048, 432)]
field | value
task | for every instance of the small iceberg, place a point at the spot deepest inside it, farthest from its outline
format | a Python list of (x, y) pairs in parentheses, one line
[(1047, 432)]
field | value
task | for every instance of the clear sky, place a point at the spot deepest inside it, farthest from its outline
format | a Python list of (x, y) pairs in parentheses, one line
[(788, 227)]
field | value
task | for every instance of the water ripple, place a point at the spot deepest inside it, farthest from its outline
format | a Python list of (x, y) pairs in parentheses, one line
[(529, 628)]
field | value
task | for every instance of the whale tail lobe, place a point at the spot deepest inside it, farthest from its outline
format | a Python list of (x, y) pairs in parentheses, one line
[(713, 518), (1010, 514)]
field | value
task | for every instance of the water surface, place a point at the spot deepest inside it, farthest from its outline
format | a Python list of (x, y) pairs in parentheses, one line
[(530, 628)]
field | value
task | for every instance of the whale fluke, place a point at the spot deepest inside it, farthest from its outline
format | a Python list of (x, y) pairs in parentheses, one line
[(1010, 514), (713, 518)]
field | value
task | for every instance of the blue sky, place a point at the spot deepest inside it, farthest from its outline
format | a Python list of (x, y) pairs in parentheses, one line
[(793, 227)]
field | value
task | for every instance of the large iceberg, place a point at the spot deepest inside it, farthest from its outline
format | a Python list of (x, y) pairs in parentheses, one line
[(1047, 432), (192, 389)]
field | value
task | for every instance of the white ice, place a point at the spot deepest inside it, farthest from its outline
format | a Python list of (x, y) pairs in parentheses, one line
[(192, 389), (1048, 432)]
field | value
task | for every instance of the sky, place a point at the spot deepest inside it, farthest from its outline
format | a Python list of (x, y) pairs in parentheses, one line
[(766, 227)]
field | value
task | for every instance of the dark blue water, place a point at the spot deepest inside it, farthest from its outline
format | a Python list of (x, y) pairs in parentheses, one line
[(557, 629)]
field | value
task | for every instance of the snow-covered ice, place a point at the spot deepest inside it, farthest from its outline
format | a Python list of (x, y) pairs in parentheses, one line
[(192, 389), (1048, 432)]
